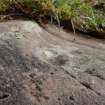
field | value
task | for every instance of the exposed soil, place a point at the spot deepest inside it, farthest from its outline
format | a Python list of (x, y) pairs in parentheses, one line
[(49, 66)]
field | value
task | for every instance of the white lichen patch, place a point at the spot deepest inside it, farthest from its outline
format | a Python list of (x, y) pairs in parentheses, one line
[(31, 27)]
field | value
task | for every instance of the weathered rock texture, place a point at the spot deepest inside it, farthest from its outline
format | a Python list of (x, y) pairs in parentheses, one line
[(52, 67)]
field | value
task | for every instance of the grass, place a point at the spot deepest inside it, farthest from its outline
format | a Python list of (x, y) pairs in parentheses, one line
[(80, 13)]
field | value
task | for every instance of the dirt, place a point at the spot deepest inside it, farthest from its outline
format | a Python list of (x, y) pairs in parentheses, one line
[(48, 67)]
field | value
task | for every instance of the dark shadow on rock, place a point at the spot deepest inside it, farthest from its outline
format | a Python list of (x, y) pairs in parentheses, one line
[(12, 65)]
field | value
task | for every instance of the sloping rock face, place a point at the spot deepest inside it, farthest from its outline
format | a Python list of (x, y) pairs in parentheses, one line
[(39, 67)]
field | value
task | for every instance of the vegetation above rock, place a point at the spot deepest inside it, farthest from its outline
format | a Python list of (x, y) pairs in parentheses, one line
[(81, 14)]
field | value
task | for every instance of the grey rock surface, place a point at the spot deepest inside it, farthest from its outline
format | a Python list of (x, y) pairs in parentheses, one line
[(48, 67)]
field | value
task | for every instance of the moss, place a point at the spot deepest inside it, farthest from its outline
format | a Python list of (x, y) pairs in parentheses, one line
[(81, 12), (2, 6), (39, 84)]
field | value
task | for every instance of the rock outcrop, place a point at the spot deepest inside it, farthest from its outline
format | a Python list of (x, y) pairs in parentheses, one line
[(39, 67)]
